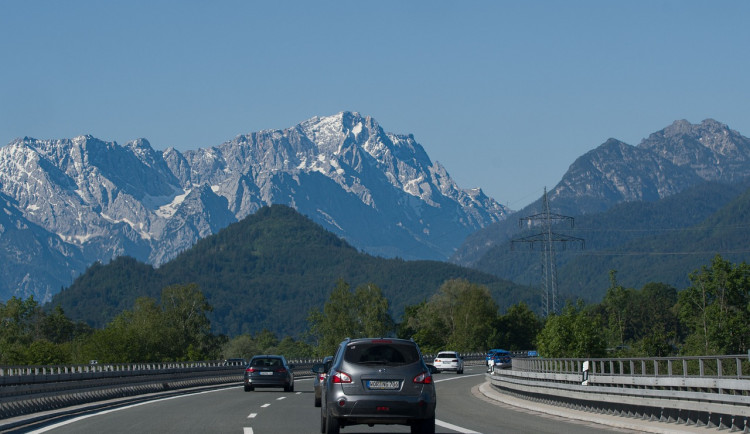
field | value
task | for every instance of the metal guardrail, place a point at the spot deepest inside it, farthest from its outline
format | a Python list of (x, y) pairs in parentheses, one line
[(30, 389), (14, 375), (712, 391)]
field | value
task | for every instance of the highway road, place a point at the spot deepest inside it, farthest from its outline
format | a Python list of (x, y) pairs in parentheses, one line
[(269, 411)]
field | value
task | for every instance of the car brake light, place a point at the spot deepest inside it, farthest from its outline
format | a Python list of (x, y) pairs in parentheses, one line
[(281, 370), (341, 377), (250, 370), (423, 378)]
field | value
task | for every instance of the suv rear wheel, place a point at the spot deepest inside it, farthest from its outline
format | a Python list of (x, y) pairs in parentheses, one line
[(332, 425), (423, 426)]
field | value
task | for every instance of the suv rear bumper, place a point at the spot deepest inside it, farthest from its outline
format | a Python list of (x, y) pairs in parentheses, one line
[(358, 409)]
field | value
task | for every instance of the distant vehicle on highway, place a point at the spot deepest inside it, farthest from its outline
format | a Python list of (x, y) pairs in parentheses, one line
[(449, 361), (489, 355), (500, 359), (321, 371), (269, 371)]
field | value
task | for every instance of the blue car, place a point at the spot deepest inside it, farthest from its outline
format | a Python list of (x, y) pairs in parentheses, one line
[(489, 355), (500, 359)]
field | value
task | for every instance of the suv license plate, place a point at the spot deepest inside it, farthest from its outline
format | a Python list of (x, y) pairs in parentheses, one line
[(266, 373), (383, 385)]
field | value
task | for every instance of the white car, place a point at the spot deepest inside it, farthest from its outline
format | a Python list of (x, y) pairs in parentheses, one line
[(449, 361)]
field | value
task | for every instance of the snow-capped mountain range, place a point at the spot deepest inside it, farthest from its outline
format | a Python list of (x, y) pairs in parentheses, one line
[(70, 202)]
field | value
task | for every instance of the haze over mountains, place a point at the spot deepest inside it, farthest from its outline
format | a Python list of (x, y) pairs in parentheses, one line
[(70, 202)]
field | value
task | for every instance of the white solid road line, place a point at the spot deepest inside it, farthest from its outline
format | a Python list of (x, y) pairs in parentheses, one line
[(112, 410), (450, 425), (456, 378), (454, 427)]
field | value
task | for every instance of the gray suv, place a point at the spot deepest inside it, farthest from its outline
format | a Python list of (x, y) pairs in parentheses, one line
[(378, 381)]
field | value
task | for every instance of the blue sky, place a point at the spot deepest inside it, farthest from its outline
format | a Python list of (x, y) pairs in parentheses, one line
[(506, 95)]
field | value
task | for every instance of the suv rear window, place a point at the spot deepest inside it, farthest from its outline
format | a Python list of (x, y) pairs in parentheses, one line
[(381, 353), (448, 355)]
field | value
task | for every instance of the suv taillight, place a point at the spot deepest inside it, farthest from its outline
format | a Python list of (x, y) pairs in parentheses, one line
[(341, 377), (423, 378), (250, 370)]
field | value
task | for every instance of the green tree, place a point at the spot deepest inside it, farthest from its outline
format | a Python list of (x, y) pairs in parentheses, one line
[(133, 336), (716, 309), (461, 315), (243, 346), (361, 313), (44, 352), (176, 329), (517, 329), (422, 323), (474, 315), (655, 321), (372, 318), (293, 349), (266, 341), (30, 336), (575, 333), (618, 304), (58, 328), (184, 316)]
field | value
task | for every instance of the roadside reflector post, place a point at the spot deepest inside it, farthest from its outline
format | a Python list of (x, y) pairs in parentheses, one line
[(585, 379)]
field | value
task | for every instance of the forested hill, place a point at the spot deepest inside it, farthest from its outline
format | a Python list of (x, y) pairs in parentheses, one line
[(662, 241), (268, 271)]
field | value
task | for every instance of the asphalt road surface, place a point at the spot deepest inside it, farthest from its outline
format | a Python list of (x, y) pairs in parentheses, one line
[(269, 411)]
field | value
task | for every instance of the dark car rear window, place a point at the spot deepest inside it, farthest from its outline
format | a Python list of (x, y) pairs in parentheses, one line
[(381, 353), (266, 362)]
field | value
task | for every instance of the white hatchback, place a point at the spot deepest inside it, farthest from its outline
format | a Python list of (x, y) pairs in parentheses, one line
[(449, 361)]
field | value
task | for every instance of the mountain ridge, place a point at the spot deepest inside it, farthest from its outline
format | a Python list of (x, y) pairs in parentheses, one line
[(378, 190), (667, 162)]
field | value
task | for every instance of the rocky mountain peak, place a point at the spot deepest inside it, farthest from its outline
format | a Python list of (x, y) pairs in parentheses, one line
[(378, 190), (703, 147), (678, 157)]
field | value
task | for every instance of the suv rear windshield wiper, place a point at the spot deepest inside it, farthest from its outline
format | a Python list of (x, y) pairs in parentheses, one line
[(374, 362)]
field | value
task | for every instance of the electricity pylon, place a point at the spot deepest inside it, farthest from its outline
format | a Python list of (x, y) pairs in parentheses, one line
[(548, 239)]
